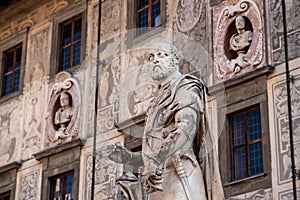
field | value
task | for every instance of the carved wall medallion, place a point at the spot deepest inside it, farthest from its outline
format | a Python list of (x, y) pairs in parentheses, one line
[(63, 110), (238, 43), (188, 14)]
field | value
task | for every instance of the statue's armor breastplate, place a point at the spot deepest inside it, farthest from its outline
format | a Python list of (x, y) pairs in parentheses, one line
[(158, 123)]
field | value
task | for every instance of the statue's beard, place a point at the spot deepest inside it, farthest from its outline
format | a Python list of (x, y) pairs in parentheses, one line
[(160, 73)]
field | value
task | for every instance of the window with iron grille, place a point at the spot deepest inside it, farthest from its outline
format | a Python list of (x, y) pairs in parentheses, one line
[(11, 70), (148, 14), (246, 143), (62, 186), (70, 43)]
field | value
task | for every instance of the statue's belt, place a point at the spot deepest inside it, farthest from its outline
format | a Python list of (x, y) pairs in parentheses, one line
[(185, 157)]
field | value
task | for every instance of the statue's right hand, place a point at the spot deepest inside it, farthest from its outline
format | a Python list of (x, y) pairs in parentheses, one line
[(118, 153)]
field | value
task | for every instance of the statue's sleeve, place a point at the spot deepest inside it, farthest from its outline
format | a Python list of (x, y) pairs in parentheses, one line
[(181, 136)]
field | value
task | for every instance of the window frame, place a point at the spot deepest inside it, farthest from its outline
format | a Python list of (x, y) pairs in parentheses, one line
[(8, 179), (5, 195), (59, 160), (131, 25), (71, 20), (14, 70), (241, 93), (5, 45), (62, 175), (58, 18), (149, 21), (246, 144)]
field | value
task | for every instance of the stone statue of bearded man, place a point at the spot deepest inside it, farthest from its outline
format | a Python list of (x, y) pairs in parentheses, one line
[(172, 138)]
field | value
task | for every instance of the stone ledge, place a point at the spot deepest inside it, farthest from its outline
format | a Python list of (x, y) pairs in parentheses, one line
[(8, 167), (251, 75), (130, 122), (58, 149)]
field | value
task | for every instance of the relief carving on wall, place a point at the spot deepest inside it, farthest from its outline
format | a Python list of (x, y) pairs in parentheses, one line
[(10, 130), (238, 43), (282, 129), (293, 28), (63, 110), (33, 111), (256, 195), (29, 185)]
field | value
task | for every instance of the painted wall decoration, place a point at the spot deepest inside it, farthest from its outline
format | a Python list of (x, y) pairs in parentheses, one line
[(10, 131), (106, 173), (109, 87), (29, 186), (34, 98), (282, 130), (38, 50), (255, 195), (287, 195), (111, 19), (293, 28), (188, 13), (138, 88)]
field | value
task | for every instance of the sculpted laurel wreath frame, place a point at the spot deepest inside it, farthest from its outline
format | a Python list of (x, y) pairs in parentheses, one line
[(254, 55)]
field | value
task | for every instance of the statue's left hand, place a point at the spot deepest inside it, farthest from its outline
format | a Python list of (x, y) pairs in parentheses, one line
[(118, 153)]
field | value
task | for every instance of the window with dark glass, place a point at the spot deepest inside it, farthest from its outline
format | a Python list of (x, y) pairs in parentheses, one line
[(246, 143), (148, 14), (70, 43), (11, 70), (5, 196), (62, 187)]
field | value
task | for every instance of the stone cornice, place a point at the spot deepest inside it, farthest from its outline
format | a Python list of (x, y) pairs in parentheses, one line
[(11, 166), (58, 149), (251, 75)]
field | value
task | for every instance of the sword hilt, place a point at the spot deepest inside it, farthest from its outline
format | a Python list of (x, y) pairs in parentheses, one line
[(179, 167), (182, 176)]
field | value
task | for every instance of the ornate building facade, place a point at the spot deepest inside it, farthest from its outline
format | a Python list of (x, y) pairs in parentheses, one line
[(48, 60)]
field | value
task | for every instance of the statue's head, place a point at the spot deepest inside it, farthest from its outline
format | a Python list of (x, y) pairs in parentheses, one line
[(164, 60), (64, 100), (240, 23)]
